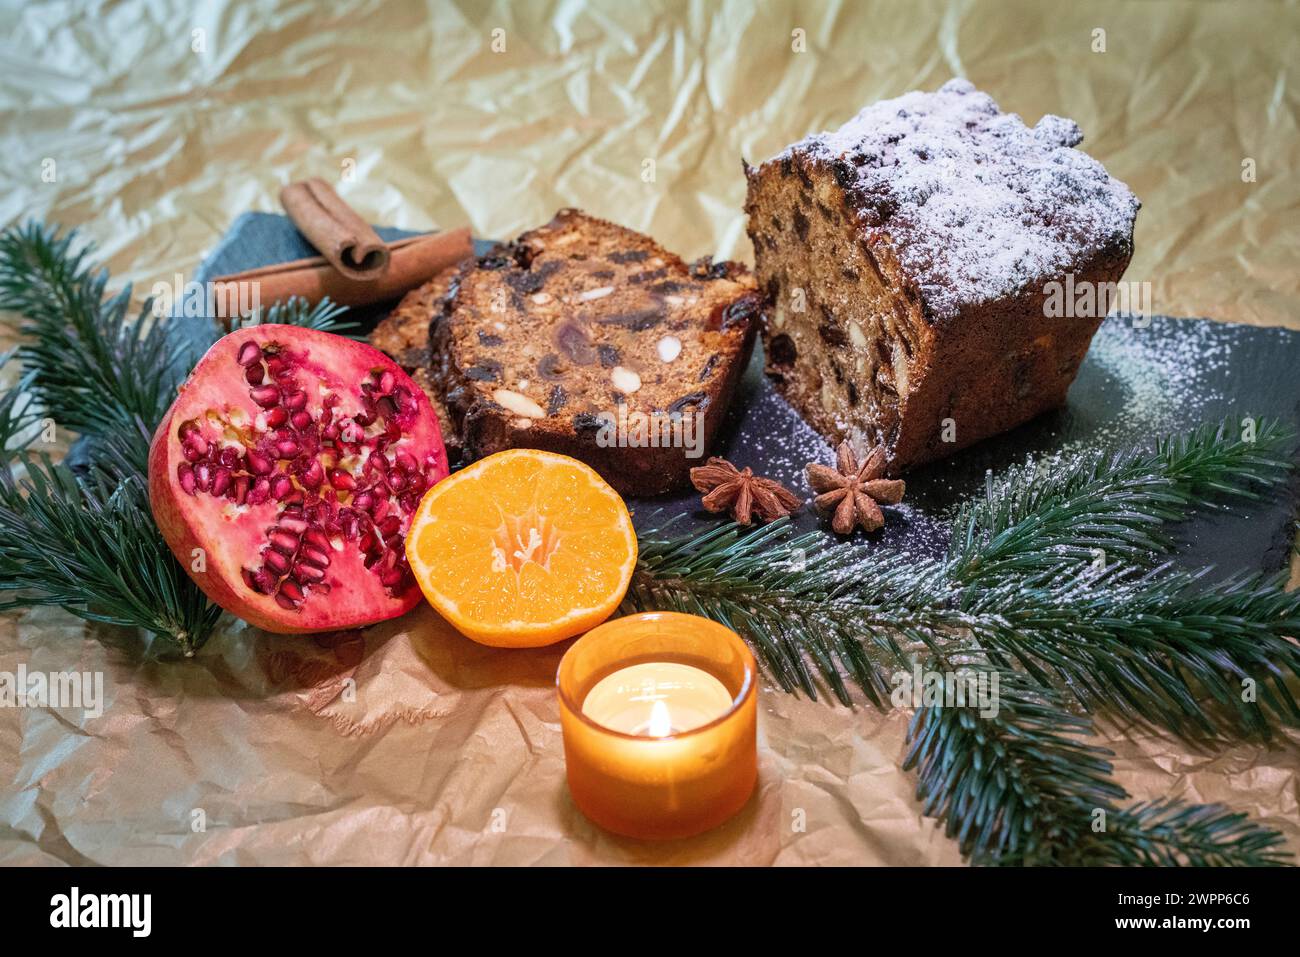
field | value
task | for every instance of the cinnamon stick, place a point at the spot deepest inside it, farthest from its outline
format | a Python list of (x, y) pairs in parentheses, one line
[(413, 262), (335, 229)]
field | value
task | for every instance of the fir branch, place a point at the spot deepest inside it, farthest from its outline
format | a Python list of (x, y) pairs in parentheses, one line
[(90, 546), (1021, 787), (796, 599), (1169, 833), (1013, 786), (93, 369), (1202, 660), (1199, 659), (1052, 515)]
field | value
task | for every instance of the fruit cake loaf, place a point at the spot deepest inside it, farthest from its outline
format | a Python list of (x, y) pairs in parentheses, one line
[(908, 256), (404, 336), (586, 338)]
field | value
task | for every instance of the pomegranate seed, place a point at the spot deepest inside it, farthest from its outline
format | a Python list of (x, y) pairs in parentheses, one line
[(185, 474), (260, 491), (342, 480), (276, 417), (295, 400), (316, 538), (284, 601), (396, 480), (315, 557), (221, 481), (281, 486), (392, 431), (390, 526), (410, 501), (249, 353), (370, 544), (265, 395), (300, 420), (331, 399), (195, 440), (254, 375), (258, 463), (249, 580), (228, 457), (392, 577), (190, 453), (313, 475), (283, 541), (387, 408), (363, 419), (290, 588), (294, 498), (406, 461), (365, 501), (241, 489), (275, 364), (275, 561), (380, 509), (330, 432), (293, 523), (287, 448), (203, 476), (386, 382), (308, 573)]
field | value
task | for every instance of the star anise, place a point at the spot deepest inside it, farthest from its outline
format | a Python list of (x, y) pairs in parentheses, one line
[(743, 493), (851, 493)]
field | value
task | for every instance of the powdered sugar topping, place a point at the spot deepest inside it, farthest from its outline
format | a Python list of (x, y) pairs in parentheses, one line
[(977, 205)]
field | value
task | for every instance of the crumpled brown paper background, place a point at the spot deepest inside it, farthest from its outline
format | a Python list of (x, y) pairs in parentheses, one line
[(164, 121)]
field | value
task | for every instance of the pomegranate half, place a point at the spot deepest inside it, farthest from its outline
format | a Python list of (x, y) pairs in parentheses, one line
[(285, 475)]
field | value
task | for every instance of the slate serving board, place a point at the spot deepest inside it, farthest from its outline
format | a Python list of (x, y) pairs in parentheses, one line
[(1142, 378)]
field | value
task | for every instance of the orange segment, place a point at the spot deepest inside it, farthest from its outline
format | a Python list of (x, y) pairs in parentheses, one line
[(523, 548)]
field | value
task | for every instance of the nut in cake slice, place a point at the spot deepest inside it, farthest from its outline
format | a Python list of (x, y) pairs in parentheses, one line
[(589, 339), (908, 257)]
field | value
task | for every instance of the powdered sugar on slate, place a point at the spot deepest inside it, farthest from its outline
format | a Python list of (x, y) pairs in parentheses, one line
[(977, 205), (1164, 378)]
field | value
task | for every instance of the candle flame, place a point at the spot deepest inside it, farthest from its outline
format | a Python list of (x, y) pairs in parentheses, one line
[(661, 724)]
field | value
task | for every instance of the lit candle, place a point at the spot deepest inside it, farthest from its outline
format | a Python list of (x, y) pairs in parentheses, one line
[(659, 717), (656, 699)]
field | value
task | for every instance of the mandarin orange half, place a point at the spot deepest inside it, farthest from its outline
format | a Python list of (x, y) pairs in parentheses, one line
[(523, 548)]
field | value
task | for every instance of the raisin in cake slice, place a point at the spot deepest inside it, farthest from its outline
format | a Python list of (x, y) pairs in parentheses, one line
[(908, 256), (589, 339)]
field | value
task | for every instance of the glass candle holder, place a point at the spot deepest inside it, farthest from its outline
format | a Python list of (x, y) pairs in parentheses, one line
[(659, 716)]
